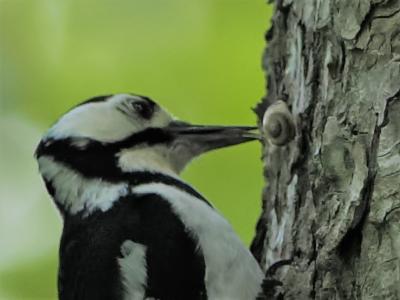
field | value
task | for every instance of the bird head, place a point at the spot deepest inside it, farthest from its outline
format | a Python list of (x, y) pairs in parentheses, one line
[(127, 133)]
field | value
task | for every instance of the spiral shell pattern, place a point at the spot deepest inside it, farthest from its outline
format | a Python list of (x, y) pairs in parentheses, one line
[(278, 124)]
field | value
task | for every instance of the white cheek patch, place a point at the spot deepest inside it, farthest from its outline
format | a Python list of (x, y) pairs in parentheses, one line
[(231, 270), (152, 159), (76, 193)]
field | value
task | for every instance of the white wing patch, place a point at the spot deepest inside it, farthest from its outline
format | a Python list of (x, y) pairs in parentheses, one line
[(231, 270), (133, 268), (76, 193)]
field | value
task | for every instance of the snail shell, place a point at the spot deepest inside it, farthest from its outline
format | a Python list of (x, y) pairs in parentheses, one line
[(278, 124)]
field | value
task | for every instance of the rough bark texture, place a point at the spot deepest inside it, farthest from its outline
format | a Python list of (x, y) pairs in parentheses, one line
[(332, 201)]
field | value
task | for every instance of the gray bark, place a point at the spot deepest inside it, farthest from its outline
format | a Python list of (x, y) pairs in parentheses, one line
[(331, 205)]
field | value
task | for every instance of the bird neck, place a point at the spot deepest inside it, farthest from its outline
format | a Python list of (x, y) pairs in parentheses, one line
[(76, 194)]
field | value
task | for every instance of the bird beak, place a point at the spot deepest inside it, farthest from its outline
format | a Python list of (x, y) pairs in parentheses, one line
[(198, 139)]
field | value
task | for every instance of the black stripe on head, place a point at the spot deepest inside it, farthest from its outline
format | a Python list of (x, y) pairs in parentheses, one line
[(97, 159), (144, 98), (95, 99), (149, 136), (145, 108)]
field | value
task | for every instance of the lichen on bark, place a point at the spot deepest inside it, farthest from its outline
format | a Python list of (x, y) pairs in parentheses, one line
[(332, 202)]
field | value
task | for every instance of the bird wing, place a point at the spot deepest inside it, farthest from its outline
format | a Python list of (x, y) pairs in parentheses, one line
[(137, 248)]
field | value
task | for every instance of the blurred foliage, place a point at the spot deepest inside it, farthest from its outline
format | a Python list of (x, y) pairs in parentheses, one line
[(200, 59)]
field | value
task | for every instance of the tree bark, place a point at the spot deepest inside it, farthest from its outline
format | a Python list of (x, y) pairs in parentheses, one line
[(331, 207)]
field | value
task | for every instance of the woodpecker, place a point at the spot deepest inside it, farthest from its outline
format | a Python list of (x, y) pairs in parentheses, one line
[(132, 228)]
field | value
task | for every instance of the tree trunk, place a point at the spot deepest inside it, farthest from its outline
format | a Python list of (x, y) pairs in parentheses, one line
[(331, 206)]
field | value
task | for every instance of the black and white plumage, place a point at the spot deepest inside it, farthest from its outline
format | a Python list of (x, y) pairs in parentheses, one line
[(132, 228)]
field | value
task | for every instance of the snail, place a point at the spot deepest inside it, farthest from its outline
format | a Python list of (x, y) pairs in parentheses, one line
[(278, 124)]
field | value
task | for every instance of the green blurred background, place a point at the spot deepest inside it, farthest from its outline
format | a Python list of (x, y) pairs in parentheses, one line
[(201, 59)]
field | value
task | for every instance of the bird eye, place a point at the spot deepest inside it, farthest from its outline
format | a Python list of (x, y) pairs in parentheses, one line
[(144, 109)]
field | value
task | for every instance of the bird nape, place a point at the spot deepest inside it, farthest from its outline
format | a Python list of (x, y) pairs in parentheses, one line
[(133, 229)]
